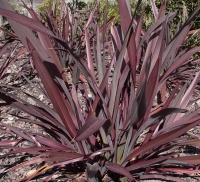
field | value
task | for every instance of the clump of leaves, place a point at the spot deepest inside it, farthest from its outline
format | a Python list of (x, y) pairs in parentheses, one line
[(133, 117)]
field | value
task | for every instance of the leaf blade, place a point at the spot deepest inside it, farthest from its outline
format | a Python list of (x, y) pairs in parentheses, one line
[(91, 126)]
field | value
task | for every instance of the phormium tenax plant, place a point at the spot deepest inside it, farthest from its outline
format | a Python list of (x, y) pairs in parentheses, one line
[(118, 111)]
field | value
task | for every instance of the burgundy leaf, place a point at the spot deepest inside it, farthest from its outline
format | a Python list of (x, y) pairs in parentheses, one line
[(46, 42), (89, 53), (19, 132), (171, 50), (192, 159), (36, 25), (190, 91), (154, 119), (119, 90), (139, 30), (145, 163), (58, 100), (155, 26), (33, 160), (91, 125), (51, 143), (195, 143), (31, 150), (99, 61), (116, 168), (91, 16), (9, 143), (86, 157), (126, 21), (162, 139), (179, 61), (117, 73), (102, 86), (62, 156)]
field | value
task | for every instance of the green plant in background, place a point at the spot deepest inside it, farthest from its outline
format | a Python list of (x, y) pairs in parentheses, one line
[(46, 6), (18, 7), (73, 5), (113, 10), (117, 99), (184, 8), (76, 5)]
